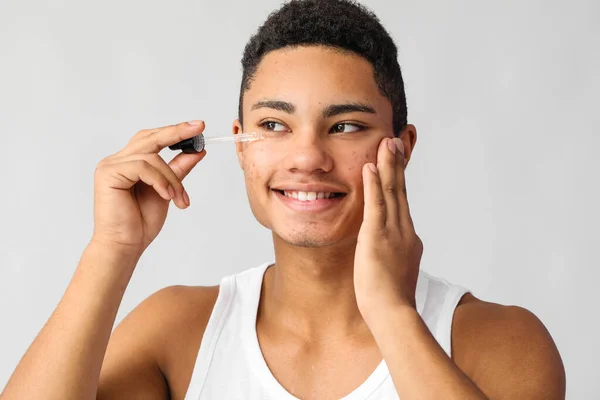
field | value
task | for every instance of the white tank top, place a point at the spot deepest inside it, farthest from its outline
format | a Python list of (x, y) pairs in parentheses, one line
[(230, 364)]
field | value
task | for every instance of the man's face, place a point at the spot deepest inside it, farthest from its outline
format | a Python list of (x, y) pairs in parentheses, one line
[(317, 141)]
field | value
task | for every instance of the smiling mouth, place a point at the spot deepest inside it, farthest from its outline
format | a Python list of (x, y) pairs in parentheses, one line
[(309, 196)]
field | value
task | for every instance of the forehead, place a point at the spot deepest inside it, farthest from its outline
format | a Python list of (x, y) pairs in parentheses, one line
[(309, 73)]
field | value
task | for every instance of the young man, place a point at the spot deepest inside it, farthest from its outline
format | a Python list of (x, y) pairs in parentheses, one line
[(344, 310)]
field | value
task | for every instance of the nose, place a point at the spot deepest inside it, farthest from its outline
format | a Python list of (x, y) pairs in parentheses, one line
[(307, 152)]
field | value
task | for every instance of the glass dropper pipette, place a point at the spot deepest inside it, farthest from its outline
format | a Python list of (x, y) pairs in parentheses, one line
[(196, 144)]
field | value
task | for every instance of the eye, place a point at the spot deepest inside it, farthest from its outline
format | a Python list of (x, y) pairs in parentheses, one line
[(270, 126), (340, 128)]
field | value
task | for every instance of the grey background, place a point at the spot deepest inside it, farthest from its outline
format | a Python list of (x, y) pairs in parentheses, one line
[(503, 183)]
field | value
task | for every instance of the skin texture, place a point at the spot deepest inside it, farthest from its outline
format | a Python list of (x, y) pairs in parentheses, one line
[(320, 332)]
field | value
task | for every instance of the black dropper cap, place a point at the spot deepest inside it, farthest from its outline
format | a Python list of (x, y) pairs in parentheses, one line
[(192, 145)]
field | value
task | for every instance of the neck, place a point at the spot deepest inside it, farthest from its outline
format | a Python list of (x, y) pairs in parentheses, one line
[(309, 286)]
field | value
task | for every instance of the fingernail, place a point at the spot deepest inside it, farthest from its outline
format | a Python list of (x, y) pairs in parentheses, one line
[(373, 168), (186, 198), (400, 145), (195, 122), (391, 146), (171, 191)]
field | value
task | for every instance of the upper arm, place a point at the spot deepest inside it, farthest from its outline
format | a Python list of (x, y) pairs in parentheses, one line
[(507, 352), (143, 347), (130, 369)]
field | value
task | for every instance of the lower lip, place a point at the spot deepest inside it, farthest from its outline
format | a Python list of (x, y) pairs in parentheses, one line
[(308, 206)]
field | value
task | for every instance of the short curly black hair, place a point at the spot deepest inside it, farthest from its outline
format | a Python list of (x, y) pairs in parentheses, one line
[(341, 24)]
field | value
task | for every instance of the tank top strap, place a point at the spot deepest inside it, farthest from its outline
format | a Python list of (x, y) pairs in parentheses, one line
[(443, 332)]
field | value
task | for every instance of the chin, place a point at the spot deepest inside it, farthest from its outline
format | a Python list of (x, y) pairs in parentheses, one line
[(307, 238), (308, 231), (307, 241)]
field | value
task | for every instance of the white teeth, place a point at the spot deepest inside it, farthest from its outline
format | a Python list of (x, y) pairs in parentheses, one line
[(308, 196)]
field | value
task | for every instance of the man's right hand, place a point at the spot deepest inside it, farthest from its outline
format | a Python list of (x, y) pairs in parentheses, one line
[(131, 199), (133, 188)]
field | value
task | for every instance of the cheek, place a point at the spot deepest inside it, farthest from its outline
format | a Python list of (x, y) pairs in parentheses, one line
[(359, 158), (252, 175), (255, 163), (370, 155)]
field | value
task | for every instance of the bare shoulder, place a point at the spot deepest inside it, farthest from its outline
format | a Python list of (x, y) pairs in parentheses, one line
[(153, 350), (180, 304), (183, 313), (506, 350)]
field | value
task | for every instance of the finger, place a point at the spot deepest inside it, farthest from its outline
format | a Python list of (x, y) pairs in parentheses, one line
[(386, 166), (157, 162), (128, 173), (183, 163), (155, 142), (374, 211), (406, 222), (146, 132)]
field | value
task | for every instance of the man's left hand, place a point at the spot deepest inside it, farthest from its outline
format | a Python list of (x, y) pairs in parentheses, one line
[(388, 253)]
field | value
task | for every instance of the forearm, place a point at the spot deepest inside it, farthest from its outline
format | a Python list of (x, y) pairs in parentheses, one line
[(65, 359), (418, 365)]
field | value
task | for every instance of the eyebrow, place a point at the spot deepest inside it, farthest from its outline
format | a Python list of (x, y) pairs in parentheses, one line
[(329, 111)]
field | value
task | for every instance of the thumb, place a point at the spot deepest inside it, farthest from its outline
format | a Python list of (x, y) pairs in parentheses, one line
[(183, 163)]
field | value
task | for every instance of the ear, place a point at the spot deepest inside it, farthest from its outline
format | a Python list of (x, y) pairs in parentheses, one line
[(409, 139), (239, 149)]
